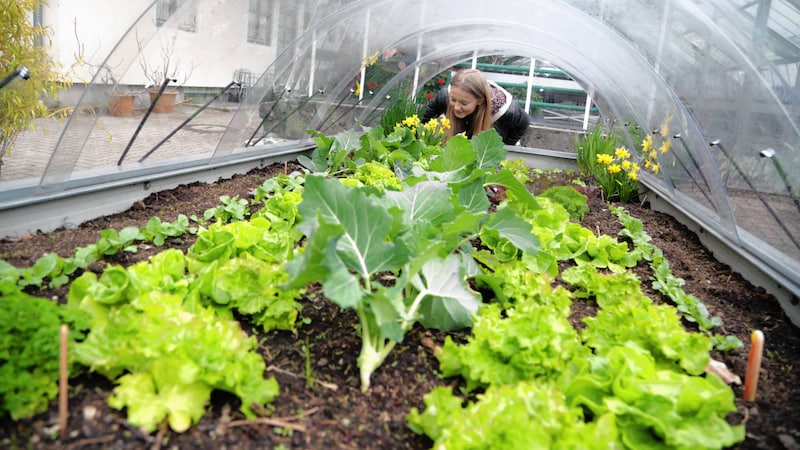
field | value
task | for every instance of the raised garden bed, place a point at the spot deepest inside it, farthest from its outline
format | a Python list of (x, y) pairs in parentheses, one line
[(321, 402)]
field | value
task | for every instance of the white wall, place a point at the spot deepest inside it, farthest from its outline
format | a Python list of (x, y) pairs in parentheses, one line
[(212, 53)]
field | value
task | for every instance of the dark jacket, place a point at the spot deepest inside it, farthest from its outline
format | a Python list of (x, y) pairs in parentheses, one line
[(510, 125)]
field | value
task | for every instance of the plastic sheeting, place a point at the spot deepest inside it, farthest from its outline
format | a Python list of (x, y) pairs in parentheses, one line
[(713, 81)]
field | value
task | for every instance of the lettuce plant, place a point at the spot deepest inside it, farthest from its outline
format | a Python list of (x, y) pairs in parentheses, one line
[(419, 236), (165, 354), (29, 347)]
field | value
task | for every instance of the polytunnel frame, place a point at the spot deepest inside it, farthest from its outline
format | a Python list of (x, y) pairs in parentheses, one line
[(615, 104), (722, 227)]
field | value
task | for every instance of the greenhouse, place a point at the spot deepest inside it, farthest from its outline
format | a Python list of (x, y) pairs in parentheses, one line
[(701, 97)]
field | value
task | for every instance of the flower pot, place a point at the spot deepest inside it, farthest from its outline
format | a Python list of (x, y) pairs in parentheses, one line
[(120, 105), (166, 103)]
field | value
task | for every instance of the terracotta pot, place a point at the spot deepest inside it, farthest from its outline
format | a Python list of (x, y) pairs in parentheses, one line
[(166, 103), (120, 105)]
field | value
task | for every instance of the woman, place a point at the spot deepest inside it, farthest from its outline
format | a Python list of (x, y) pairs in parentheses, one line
[(466, 107)]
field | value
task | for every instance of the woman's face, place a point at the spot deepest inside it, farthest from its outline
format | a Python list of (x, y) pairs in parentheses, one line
[(463, 102)]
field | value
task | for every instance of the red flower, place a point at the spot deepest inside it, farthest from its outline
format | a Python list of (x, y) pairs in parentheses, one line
[(372, 85), (440, 81), (430, 95)]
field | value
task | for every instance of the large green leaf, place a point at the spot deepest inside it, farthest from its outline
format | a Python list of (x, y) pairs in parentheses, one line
[(457, 154), (364, 245), (514, 188), (472, 196), (512, 227), (426, 201), (310, 266), (449, 303), (489, 149)]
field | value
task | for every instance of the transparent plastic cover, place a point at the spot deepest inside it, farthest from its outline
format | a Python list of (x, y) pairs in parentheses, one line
[(713, 83)]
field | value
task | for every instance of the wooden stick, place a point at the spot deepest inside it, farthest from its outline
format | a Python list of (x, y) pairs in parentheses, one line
[(63, 415), (753, 365)]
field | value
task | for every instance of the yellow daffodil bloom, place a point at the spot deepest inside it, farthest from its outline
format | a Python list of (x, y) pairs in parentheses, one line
[(621, 153), (626, 164), (411, 121), (655, 168), (647, 144), (633, 176), (431, 126), (653, 155), (665, 146), (614, 168), (604, 159), (370, 60), (646, 163)]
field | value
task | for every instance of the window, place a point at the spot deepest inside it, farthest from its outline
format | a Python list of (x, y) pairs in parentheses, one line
[(259, 22), (187, 21)]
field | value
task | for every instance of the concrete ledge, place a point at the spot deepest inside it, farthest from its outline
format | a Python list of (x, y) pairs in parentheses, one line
[(68, 206)]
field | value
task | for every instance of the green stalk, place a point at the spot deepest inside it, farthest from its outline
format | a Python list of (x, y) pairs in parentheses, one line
[(375, 349)]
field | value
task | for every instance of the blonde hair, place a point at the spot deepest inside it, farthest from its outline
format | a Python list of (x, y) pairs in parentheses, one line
[(474, 83)]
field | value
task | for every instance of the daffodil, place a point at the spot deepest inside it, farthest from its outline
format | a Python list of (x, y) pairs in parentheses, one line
[(614, 168), (626, 164), (411, 121), (647, 144), (665, 146), (621, 153), (633, 175), (370, 60), (655, 168), (604, 159)]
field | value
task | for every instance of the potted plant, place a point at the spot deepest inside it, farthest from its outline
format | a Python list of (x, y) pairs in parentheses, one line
[(157, 73), (120, 101)]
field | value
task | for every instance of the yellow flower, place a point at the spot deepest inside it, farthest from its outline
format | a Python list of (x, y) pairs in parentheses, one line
[(370, 60), (614, 168), (647, 163), (655, 168), (621, 153), (653, 155), (445, 123), (431, 126), (635, 167), (647, 144), (633, 175), (604, 159), (665, 146), (626, 164), (411, 121)]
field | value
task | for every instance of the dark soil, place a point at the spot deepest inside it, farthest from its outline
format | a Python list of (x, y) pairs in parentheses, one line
[(330, 411)]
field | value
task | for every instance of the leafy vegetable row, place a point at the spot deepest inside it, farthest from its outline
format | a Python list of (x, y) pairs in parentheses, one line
[(396, 228)]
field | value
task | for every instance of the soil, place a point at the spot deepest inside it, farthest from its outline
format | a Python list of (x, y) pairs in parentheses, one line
[(329, 410)]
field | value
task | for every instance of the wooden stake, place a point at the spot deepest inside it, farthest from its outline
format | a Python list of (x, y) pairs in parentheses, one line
[(753, 365), (62, 383)]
